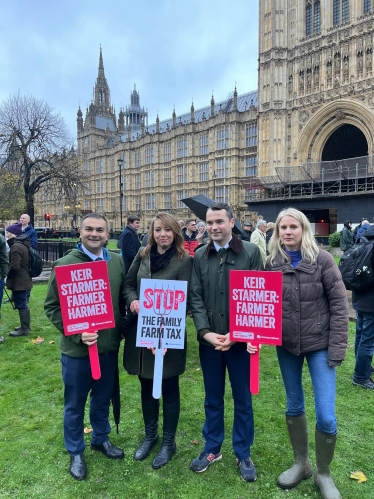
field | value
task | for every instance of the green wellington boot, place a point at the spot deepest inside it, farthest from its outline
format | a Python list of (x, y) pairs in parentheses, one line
[(325, 448), (302, 469)]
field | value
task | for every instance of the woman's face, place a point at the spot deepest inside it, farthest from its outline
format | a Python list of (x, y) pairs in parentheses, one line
[(163, 236), (290, 233)]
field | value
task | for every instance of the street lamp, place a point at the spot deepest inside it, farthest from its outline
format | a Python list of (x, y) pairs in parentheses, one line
[(120, 163)]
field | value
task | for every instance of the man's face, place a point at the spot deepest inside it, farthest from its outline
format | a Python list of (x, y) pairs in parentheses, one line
[(192, 226), (263, 228), (94, 234), (24, 219), (247, 228), (135, 225), (219, 226)]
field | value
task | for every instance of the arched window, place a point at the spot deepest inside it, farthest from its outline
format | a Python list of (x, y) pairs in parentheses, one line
[(317, 17), (345, 11), (367, 6), (308, 20), (312, 17), (340, 6), (336, 12)]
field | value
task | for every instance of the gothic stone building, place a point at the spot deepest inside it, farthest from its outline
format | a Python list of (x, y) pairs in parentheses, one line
[(205, 151), (315, 110), (305, 139)]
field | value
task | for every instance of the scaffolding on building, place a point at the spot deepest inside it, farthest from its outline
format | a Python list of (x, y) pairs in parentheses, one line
[(312, 180)]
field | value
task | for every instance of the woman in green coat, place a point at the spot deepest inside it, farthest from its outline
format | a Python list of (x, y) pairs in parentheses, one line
[(163, 258)]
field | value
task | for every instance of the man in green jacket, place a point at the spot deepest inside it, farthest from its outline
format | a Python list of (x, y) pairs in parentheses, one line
[(76, 370), (209, 297)]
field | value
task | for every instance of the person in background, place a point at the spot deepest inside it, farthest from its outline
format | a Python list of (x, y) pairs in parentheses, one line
[(357, 228), (247, 231), (315, 329), (4, 266), (363, 304), (361, 231), (29, 230), (163, 258), (210, 297), (75, 362), (259, 238), (202, 234), (130, 243), (18, 279), (270, 226), (346, 236), (189, 234), (181, 224)]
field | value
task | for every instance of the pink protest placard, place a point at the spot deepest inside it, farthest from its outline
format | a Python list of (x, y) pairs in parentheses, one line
[(256, 312), (86, 302)]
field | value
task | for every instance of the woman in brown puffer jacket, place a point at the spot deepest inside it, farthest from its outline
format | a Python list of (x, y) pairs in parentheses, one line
[(315, 328), (18, 279)]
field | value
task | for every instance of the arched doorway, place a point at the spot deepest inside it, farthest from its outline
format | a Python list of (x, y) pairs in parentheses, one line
[(346, 142)]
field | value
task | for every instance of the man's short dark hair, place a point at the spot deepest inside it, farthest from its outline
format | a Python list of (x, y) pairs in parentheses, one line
[(189, 220), (94, 215), (133, 218), (222, 206)]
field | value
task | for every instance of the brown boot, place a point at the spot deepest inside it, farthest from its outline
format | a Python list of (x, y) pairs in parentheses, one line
[(325, 447), (302, 469)]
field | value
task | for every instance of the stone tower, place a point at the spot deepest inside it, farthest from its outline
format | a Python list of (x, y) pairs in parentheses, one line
[(315, 81)]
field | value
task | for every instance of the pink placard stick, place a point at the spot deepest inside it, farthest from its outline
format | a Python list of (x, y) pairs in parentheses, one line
[(255, 372), (94, 359)]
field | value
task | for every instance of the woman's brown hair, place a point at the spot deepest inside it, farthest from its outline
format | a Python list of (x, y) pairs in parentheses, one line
[(168, 222)]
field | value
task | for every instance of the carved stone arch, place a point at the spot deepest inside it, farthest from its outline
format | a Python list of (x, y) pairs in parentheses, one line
[(325, 121)]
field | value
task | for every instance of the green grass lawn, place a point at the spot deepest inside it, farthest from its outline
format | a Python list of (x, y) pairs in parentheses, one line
[(34, 462)]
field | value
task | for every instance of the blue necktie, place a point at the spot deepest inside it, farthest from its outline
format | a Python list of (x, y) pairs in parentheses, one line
[(98, 259)]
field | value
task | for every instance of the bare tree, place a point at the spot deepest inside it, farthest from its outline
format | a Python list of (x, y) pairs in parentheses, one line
[(36, 148)]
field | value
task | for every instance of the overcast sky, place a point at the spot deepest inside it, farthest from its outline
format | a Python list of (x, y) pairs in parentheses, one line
[(173, 50)]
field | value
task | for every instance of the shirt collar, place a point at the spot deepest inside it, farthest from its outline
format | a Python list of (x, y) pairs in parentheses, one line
[(91, 255), (219, 247)]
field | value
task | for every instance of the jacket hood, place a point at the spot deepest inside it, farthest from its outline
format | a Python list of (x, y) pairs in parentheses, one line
[(23, 239)]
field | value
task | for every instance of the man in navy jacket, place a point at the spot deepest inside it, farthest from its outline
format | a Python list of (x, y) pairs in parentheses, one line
[(130, 243), (29, 230)]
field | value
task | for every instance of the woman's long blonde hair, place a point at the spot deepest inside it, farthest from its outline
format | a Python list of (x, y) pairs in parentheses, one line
[(309, 248), (167, 221)]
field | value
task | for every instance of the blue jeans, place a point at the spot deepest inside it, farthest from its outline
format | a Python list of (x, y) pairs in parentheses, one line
[(213, 365), (364, 345), (323, 380), (2, 286)]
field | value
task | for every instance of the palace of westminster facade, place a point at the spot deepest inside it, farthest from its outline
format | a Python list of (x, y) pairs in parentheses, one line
[(315, 91)]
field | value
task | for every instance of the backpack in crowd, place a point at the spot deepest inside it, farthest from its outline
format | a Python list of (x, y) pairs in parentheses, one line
[(36, 263), (119, 241), (356, 265)]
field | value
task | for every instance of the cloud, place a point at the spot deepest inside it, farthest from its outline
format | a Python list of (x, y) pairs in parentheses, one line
[(172, 50)]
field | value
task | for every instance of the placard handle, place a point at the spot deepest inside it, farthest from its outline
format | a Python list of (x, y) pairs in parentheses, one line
[(255, 372), (94, 359)]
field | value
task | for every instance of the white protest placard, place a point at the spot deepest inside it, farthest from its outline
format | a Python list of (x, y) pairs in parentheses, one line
[(161, 321), (162, 315)]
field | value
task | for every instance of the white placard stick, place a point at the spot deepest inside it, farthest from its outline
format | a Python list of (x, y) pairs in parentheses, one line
[(157, 374)]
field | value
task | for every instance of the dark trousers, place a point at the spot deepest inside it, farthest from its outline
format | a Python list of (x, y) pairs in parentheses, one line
[(213, 364), (20, 300), (170, 389), (78, 381)]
